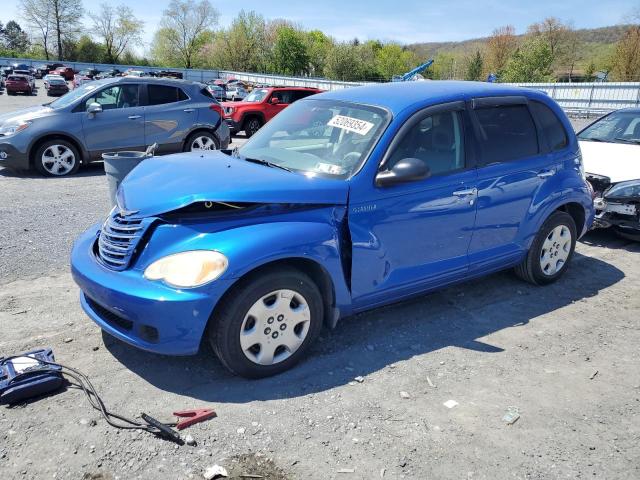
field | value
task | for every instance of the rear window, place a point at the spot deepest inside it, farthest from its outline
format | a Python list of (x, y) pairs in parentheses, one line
[(161, 94), (207, 93), (17, 79), (507, 132), (552, 127)]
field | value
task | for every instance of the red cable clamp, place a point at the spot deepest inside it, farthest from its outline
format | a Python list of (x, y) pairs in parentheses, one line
[(193, 416)]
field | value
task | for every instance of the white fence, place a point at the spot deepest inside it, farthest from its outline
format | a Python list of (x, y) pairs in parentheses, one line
[(582, 99)]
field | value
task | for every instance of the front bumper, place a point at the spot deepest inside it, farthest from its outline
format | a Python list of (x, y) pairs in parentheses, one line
[(608, 213), (12, 157), (146, 314)]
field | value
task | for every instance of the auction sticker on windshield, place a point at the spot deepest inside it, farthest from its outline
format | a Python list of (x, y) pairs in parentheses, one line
[(351, 124)]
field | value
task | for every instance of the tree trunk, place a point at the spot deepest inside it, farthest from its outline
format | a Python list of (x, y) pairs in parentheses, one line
[(58, 32)]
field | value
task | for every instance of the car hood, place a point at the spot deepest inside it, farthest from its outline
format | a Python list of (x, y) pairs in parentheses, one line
[(25, 114), (163, 184), (618, 161)]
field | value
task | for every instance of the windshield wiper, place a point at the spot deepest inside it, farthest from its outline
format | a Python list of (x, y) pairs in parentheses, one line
[(267, 163), (628, 140)]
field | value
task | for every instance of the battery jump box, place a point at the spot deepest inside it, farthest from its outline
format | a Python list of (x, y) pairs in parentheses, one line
[(24, 376)]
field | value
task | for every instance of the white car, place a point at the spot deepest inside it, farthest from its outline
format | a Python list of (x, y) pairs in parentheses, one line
[(236, 92), (135, 73), (49, 76), (611, 156)]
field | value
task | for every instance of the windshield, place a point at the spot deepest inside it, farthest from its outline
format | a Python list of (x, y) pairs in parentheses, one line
[(319, 137), (256, 95), (618, 127), (73, 95)]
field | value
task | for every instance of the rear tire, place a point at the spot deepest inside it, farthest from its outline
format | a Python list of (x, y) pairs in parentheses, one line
[(550, 252), (201, 141), (288, 311)]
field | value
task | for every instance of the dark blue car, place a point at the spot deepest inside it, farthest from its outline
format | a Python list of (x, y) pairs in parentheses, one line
[(346, 201)]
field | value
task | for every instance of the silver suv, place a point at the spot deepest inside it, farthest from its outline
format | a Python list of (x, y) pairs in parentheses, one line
[(113, 114)]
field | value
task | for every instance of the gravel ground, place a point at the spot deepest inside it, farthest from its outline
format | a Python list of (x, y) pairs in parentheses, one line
[(565, 356)]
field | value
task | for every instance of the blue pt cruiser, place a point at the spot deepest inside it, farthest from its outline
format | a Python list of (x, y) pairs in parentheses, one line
[(345, 201)]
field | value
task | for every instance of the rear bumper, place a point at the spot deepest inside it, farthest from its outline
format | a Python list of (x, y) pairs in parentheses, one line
[(145, 314), (12, 157)]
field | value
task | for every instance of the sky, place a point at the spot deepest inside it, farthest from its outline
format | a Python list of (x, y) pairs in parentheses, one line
[(405, 21)]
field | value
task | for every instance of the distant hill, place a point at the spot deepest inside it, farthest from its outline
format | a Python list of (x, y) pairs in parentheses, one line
[(590, 36)]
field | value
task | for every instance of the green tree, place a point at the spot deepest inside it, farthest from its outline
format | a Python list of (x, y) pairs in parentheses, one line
[(65, 17), (343, 62), (87, 50), (117, 28), (185, 30), (243, 46), (475, 67), (392, 59), (626, 58), (37, 14), (318, 45), (14, 38), (290, 54), (530, 63)]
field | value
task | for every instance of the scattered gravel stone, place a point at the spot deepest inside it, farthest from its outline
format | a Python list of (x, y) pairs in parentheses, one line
[(359, 379), (189, 440), (405, 395)]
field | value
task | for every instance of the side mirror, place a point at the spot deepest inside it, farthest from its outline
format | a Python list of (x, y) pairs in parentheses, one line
[(275, 100), (406, 170), (94, 108)]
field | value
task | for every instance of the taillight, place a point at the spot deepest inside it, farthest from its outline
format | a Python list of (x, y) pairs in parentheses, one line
[(216, 107)]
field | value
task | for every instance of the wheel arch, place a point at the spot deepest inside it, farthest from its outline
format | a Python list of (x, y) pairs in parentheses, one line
[(315, 270), (253, 113), (33, 148), (577, 212)]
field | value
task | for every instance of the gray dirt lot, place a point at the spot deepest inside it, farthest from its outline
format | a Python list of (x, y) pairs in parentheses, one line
[(566, 356)]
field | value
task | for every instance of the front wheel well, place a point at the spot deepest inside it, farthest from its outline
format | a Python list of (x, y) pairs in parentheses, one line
[(577, 213), (314, 270), (36, 145)]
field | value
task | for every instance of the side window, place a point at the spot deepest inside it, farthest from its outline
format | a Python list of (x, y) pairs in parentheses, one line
[(437, 140), (552, 128), (285, 96), (161, 94), (118, 96), (300, 94), (507, 132)]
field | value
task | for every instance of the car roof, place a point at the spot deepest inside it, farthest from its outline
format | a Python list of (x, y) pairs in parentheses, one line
[(397, 96), (160, 81)]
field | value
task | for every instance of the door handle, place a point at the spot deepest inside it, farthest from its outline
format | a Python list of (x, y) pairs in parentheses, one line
[(466, 193), (134, 117), (189, 110), (546, 173)]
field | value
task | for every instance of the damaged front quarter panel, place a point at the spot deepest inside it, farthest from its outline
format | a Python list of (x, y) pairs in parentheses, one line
[(252, 235)]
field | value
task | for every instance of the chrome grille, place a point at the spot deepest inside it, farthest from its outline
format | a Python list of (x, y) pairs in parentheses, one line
[(118, 240)]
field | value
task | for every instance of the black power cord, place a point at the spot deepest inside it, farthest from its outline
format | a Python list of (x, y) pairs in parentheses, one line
[(152, 425)]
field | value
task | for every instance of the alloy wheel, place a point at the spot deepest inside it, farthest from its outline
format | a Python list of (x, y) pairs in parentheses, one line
[(275, 327), (58, 160), (203, 143), (555, 250)]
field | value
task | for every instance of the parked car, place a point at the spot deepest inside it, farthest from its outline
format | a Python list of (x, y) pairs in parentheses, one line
[(26, 73), (166, 74), (135, 73), (46, 68), (218, 92), (235, 92), (56, 86), (260, 106), (344, 202), (123, 113), (46, 78), (18, 84), (611, 152), (83, 77), (66, 72), (114, 72)]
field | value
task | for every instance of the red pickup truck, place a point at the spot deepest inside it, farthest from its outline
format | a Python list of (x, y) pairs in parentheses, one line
[(260, 106)]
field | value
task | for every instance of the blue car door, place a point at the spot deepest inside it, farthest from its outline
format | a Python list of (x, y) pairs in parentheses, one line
[(409, 236), (512, 167), (120, 124)]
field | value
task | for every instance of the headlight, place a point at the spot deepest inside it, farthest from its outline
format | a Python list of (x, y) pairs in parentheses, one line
[(13, 128), (624, 190), (188, 269), (229, 110)]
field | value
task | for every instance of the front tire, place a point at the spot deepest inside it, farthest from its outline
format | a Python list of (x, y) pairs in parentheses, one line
[(57, 158), (251, 126), (267, 324), (551, 250)]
